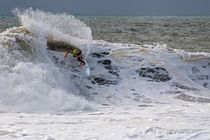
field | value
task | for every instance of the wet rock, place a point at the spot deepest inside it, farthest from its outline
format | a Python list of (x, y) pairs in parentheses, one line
[(99, 54), (114, 73), (109, 67), (102, 81), (105, 53), (113, 70), (157, 74), (105, 62)]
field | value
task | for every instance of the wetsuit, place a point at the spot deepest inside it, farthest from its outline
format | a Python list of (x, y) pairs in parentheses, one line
[(76, 53)]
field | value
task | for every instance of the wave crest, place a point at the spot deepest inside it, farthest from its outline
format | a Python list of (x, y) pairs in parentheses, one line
[(62, 22)]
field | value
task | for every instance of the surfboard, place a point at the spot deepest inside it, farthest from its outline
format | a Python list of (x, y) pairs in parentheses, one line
[(86, 68)]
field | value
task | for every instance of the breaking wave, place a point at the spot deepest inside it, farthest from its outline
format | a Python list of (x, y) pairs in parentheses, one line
[(35, 78), (30, 82)]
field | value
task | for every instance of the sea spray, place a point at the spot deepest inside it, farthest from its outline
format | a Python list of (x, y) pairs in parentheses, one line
[(33, 83)]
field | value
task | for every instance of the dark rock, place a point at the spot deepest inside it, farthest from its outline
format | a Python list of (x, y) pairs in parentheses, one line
[(93, 82), (101, 81), (99, 54), (109, 67), (114, 73), (105, 62), (105, 53), (157, 74)]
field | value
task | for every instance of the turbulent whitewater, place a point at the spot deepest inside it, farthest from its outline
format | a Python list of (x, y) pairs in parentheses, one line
[(134, 91)]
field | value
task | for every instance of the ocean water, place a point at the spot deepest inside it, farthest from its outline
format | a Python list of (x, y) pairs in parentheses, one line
[(149, 77), (187, 33)]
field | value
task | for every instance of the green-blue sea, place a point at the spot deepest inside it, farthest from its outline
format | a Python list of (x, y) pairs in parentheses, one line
[(188, 33)]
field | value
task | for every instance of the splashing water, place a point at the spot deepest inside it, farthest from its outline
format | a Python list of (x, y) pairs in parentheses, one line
[(30, 82), (139, 88)]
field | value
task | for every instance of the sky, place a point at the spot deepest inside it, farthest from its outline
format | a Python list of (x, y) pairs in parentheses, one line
[(113, 7)]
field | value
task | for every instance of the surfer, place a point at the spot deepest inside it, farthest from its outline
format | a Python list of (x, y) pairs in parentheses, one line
[(76, 53)]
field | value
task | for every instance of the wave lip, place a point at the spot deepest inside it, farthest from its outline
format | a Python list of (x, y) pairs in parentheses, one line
[(64, 23)]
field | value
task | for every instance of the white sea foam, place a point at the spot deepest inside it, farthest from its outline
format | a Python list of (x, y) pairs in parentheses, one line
[(35, 87), (191, 56)]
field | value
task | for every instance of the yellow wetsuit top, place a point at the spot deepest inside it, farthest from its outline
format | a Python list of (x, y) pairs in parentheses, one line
[(76, 52)]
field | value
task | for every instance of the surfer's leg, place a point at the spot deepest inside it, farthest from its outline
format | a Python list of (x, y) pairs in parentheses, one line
[(81, 61)]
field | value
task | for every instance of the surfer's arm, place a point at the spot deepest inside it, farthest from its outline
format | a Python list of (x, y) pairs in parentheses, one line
[(66, 54)]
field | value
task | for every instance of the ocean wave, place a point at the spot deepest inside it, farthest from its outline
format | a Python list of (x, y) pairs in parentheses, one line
[(30, 80), (38, 79)]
